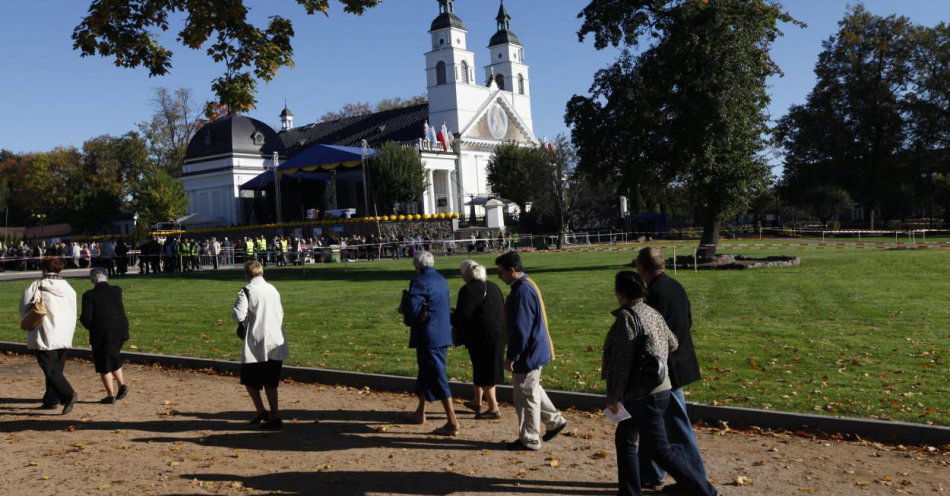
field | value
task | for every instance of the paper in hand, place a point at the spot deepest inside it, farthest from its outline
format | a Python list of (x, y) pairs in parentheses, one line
[(621, 415)]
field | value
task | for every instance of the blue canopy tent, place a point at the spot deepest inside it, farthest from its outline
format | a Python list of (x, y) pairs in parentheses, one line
[(333, 166), (315, 164), (325, 158), (266, 179)]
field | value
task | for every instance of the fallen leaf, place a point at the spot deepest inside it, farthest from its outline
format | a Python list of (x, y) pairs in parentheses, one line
[(742, 481)]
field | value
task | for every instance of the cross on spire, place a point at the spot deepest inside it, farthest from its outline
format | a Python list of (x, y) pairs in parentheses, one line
[(446, 7)]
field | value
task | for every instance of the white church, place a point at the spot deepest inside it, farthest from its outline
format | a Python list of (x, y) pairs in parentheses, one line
[(227, 161)]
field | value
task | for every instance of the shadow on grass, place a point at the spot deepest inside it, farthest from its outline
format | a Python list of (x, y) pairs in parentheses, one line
[(422, 483), (357, 273)]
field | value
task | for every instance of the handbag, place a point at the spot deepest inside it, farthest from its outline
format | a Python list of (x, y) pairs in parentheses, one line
[(407, 320), (35, 314), (241, 330)]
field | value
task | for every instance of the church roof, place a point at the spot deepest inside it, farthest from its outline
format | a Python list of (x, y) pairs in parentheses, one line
[(401, 125), (233, 134), (504, 37), (447, 20), (286, 112)]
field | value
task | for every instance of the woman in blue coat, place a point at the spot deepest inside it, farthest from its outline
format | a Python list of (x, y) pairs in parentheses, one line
[(426, 312)]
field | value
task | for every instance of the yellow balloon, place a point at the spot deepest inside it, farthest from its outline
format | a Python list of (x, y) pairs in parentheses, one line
[(401, 217)]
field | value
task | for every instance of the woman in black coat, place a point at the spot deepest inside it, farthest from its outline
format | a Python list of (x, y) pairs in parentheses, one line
[(478, 323), (103, 313)]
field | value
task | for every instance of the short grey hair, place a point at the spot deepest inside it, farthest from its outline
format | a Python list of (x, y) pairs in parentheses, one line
[(472, 270), (98, 275), (423, 260)]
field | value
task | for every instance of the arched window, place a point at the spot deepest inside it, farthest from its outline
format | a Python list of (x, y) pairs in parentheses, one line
[(464, 69), (440, 73), (521, 84), (500, 81)]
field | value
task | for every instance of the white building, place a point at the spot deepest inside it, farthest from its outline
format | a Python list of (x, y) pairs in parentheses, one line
[(479, 113)]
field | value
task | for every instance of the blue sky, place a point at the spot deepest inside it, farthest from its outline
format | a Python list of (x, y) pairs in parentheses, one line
[(50, 96)]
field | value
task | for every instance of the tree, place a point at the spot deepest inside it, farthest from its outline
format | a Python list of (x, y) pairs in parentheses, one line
[(126, 30), (690, 109), (355, 109), (159, 196), (517, 173), (398, 103), (561, 188), (825, 202), (878, 114), (397, 176), (347, 110), (850, 130), (176, 119)]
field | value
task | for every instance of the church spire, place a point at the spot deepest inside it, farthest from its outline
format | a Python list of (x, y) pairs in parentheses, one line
[(446, 7), (504, 20)]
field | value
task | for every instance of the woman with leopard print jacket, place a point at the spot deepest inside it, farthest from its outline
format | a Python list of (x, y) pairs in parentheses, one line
[(634, 367)]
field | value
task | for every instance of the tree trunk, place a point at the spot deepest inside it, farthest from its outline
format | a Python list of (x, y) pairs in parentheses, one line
[(712, 221)]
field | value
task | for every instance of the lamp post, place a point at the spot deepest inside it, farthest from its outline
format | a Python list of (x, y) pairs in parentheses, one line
[(280, 213), (928, 176), (365, 146)]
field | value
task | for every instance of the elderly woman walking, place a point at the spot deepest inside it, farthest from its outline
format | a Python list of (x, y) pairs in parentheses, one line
[(103, 313), (478, 323), (52, 301), (260, 315), (634, 367), (425, 310)]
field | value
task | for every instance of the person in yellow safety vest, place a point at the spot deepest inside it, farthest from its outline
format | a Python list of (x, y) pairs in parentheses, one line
[(260, 247), (278, 252), (249, 250), (284, 249)]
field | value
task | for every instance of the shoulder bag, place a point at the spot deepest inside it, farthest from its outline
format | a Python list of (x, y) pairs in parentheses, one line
[(241, 330), (35, 314)]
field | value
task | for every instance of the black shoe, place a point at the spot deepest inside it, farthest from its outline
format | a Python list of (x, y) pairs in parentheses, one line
[(517, 445), (272, 425), (108, 400), (123, 390), (488, 415), (471, 405), (259, 418), (69, 404), (48, 406), (552, 433)]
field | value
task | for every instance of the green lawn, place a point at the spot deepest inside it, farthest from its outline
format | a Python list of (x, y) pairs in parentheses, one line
[(849, 332)]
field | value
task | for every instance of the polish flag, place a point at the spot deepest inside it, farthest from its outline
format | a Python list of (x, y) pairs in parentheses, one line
[(445, 137)]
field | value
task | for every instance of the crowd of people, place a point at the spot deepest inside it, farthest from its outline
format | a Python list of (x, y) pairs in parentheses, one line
[(648, 355)]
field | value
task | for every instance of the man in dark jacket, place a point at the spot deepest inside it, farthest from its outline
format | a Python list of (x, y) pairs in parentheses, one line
[(668, 297), (426, 311), (104, 315), (529, 349)]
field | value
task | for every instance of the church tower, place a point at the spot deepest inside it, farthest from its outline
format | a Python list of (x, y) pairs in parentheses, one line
[(507, 66), (454, 94)]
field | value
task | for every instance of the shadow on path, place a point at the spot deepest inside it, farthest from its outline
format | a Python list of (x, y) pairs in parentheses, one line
[(421, 483)]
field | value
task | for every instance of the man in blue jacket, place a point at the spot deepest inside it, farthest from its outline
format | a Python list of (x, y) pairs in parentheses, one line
[(529, 349), (427, 313)]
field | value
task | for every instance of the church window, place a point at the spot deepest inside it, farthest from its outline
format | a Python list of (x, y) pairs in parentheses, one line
[(500, 81), (440, 73), (441, 41), (521, 84), (499, 55), (464, 68)]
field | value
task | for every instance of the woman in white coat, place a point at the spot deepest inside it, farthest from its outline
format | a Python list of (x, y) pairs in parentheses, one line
[(53, 337), (258, 307)]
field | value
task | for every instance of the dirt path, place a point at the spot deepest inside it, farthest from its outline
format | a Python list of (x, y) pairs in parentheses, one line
[(184, 433)]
